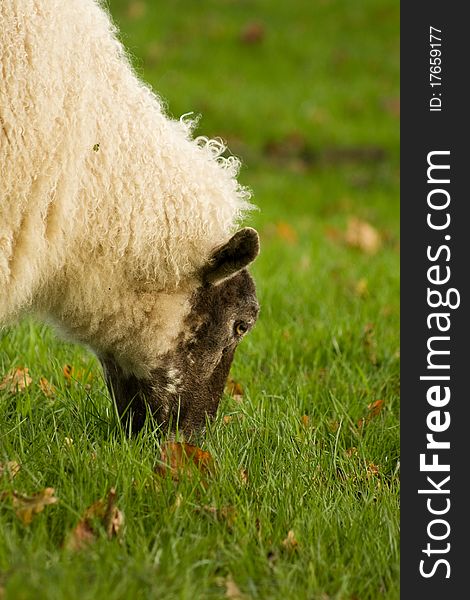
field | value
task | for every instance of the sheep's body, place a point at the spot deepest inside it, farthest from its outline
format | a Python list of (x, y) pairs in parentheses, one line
[(98, 187)]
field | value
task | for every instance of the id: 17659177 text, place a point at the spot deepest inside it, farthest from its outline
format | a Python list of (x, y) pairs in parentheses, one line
[(435, 69)]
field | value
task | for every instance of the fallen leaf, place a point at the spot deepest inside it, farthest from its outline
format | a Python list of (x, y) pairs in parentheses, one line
[(252, 33), (290, 543), (180, 458), (102, 513), (225, 514), (154, 53), (16, 380), (232, 590), (68, 372), (114, 522), (360, 234), (369, 342), (82, 536), (333, 233), (234, 389), (361, 288), (333, 426), (11, 467), (27, 506), (234, 417), (373, 409), (79, 376), (372, 470), (392, 106), (244, 476), (178, 500), (286, 232), (305, 420), (304, 263), (47, 388), (136, 9)]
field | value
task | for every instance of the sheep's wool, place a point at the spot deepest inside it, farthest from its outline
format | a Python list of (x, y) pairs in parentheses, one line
[(99, 189)]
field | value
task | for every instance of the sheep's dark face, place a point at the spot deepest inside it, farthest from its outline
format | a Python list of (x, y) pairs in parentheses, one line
[(188, 382)]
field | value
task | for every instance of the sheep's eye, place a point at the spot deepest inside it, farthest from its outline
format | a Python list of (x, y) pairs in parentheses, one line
[(240, 328)]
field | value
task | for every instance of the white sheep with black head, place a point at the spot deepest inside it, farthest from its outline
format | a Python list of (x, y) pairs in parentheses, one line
[(116, 225)]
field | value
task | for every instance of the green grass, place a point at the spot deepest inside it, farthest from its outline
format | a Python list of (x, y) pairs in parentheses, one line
[(311, 108)]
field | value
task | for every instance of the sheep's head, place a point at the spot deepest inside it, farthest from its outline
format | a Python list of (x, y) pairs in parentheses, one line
[(188, 381)]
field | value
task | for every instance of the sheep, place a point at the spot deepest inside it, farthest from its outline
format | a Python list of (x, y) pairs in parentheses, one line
[(116, 225)]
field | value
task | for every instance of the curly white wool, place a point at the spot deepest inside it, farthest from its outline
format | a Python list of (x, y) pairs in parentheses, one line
[(103, 197)]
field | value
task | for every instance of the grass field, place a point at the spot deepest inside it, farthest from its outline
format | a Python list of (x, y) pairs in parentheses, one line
[(307, 94)]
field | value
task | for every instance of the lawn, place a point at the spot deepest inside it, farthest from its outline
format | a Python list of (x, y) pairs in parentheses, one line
[(303, 498)]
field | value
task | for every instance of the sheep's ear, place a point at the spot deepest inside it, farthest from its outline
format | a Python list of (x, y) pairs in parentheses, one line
[(241, 249)]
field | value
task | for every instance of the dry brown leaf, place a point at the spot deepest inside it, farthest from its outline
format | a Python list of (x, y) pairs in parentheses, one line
[(16, 380), (290, 543), (136, 9), (244, 476), (232, 418), (11, 467), (102, 513), (373, 409), (286, 232), (154, 53), (333, 426), (392, 106), (27, 506), (82, 536), (78, 376), (361, 288), (333, 233), (369, 342), (47, 388), (305, 420), (226, 514), (68, 372), (232, 591), (360, 234), (235, 389), (372, 470), (115, 522), (252, 33), (304, 263), (180, 458)]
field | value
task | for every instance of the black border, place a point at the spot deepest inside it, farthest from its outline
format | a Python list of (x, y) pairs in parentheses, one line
[(423, 131)]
